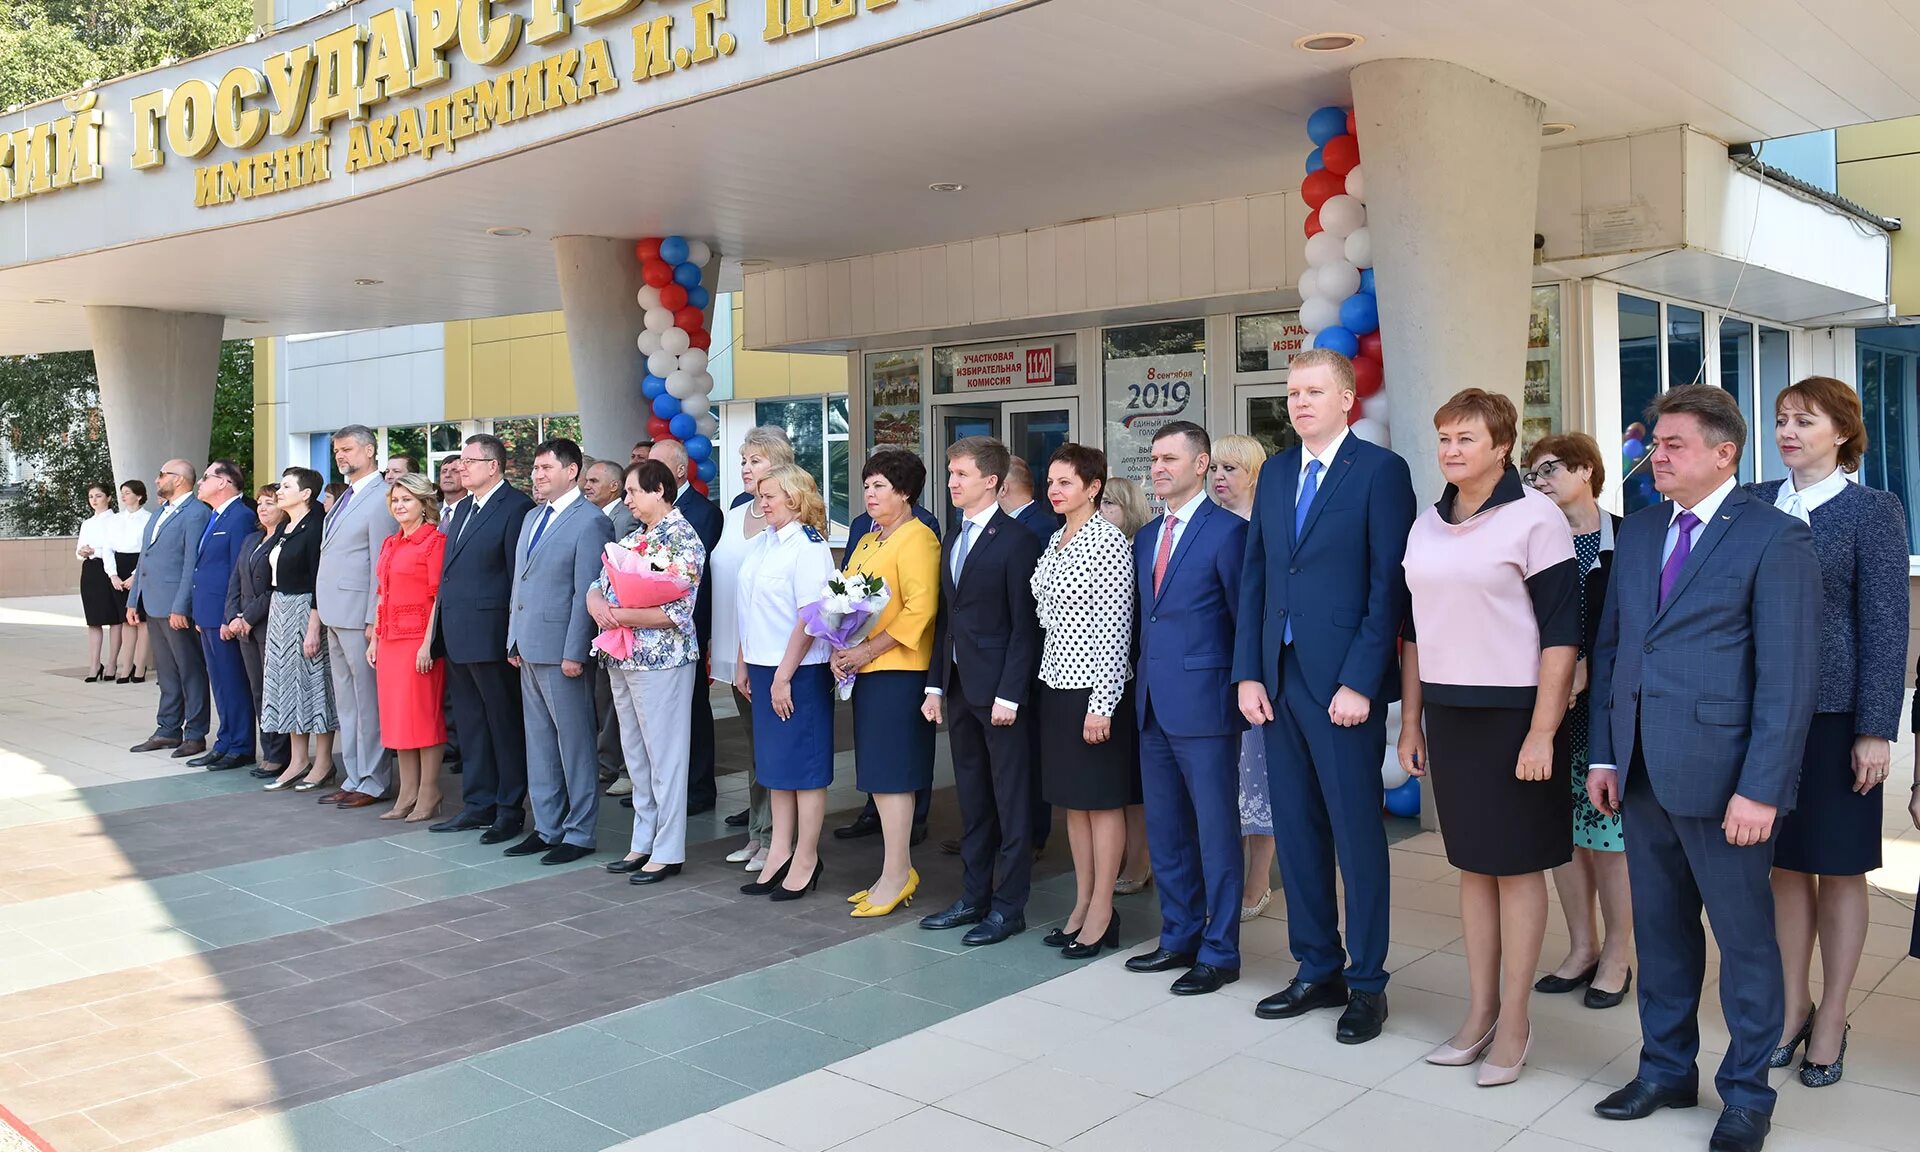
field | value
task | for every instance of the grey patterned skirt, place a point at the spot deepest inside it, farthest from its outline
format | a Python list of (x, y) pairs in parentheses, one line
[(297, 695)]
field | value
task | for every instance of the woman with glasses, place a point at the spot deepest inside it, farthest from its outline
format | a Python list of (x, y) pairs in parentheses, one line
[(1570, 470)]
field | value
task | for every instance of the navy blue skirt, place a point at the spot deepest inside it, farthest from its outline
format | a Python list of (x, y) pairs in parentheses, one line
[(892, 741), (795, 754), (1832, 830)]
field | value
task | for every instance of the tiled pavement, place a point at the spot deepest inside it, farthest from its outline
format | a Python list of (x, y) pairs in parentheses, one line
[(187, 963)]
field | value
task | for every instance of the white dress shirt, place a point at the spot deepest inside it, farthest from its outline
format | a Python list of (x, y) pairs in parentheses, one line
[(974, 529), (1799, 503), (96, 532), (783, 570), (1709, 505), (1326, 459), (1183, 516), (480, 502), (130, 530)]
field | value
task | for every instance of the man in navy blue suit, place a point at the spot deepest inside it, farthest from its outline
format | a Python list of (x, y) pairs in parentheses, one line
[(1188, 566), (1017, 500), (1322, 599), (220, 488)]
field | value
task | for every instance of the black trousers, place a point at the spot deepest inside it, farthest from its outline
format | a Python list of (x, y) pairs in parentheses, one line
[(488, 715), (701, 791), (993, 777)]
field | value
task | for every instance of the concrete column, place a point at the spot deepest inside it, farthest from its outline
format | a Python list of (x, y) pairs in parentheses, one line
[(599, 287), (1452, 163), (157, 371)]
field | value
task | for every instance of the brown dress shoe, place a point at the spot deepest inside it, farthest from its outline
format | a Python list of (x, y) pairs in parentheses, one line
[(335, 797), (357, 800), (190, 748), (155, 744)]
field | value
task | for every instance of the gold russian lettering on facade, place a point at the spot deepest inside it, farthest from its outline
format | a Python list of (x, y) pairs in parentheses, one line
[(237, 125), (149, 114), (548, 21), (56, 154), (590, 12), (336, 86), (653, 48), (276, 170), (487, 39), (388, 70), (436, 26), (190, 119), (791, 17), (706, 17), (290, 79)]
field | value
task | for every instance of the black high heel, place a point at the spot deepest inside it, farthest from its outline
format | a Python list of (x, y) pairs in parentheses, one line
[(1110, 939), (762, 887), (99, 675), (783, 894), (140, 679), (1783, 1055), (1059, 937)]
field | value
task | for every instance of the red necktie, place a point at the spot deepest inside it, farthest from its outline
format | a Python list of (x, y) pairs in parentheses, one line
[(1165, 553)]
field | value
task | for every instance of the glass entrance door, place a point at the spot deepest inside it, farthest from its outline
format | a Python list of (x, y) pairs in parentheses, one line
[(1031, 430)]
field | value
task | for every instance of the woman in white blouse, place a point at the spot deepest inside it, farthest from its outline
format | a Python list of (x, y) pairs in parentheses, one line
[(129, 535), (783, 672), (1083, 591), (104, 604)]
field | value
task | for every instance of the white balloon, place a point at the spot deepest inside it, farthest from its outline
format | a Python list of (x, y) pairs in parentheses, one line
[(680, 384), (662, 362), (1357, 184), (1372, 431), (1341, 215), (1360, 248), (1391, 774), (703, 383), (696, 405), (709, 424), (698, 253), (658, 319), (675, 341), (694, 360), (1374, 407), (649, 342), (1324, 248), (1318, 312), (649, 297), (1392, 759), (1336, 279), (1307, 282)]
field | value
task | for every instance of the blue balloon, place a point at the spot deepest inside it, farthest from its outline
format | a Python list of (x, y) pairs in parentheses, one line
[(673, 249), (699, 297), (653, 387), (708, 470), (1366, 281), (1360, 313), (665, 406), (1404, 800), (1338, 339), (686, 275), (698, 448), (1634, 448), (1322, 126), (683, 426), (1314, 162)]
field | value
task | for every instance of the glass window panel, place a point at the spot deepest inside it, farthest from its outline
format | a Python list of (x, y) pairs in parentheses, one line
[(1873, 471), (1639, 384), (1040, 362), (837, 421), (1776, 372), (839, 464), (893, 400), (1897, 384), (519, 435), (410, 442), (805, 424), (1268, 342), (445, 438), (1154, 374), (1268, 422), (1736, 376), (558, 427), (1546, 358), (1686, 345)]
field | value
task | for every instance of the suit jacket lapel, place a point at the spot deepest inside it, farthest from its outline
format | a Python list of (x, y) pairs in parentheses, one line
[(990, 534), (1183, 545), (1342, 467), (554, 522), (1289, 464), (1711, 534), (475, 514)]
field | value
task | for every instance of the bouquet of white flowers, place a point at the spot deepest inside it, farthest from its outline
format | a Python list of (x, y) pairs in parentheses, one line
[(845, 614)]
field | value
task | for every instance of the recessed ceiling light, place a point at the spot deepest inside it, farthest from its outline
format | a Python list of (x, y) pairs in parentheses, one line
[(251, 320), (506, 231), (1329, 41), (1555, 129), (945, 186), (49, 300), (367, 282)]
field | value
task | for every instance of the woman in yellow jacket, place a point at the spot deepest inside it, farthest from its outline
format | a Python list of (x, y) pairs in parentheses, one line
[(892, 742)]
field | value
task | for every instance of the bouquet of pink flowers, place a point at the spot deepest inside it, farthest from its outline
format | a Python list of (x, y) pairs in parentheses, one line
[(646, 575), (845, 614)]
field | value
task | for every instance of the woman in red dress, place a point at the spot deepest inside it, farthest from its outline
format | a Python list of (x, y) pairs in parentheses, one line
[(411, 720)]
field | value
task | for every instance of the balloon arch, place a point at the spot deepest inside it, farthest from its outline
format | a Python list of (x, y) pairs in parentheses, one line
[(1338, 307), (678, 389)]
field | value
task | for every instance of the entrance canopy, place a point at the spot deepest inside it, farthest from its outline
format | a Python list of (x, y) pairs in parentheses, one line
[(386, 164)]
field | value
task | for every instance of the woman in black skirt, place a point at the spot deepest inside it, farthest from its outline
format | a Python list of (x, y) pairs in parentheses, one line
[(1830, 839), (129, 537), (1083, 590), (1487, 668), (104, 605)]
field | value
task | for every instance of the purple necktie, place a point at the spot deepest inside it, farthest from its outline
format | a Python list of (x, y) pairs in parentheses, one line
[(1677, 559), (339, 506)]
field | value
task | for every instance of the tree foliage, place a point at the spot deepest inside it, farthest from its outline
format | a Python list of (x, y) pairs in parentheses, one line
[(48, 47)]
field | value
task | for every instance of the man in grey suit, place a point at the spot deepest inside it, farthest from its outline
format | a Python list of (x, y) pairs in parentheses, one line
[(163, 587), (601, 484), (548, 638), (356, 527), (1704, 680)]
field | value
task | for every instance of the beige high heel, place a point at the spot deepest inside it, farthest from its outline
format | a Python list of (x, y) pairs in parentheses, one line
[(1493, 1075), (1447, 1056)]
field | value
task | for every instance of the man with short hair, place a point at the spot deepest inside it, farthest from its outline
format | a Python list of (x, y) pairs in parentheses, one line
[(163, 587), (398, 466), (601, 484), (452, 490), (986, 650), (1017, 500), (476, 580), (640, 452), (355, 530), (220, 545), (1188, 565), (708, 523), (1705, 675), (549, 638)]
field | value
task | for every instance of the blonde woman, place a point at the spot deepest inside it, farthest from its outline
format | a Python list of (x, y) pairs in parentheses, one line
[(411, 682), (1124, 504), (1230, 481)]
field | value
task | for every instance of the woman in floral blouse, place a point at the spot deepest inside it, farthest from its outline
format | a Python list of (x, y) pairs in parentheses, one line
[(653, 688)]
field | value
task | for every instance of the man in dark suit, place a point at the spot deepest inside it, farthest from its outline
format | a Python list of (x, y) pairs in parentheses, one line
[(986, 651), (476, 582), (1036, 516), (1322, 598), (708, 522), (1704, 681), (220, 544), (601, 484), (452, 492), (163, 588), (1188, 567), (249, 598)]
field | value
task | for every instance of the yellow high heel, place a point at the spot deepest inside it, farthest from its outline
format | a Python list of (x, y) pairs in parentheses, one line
[(866, 910), (859, 897)]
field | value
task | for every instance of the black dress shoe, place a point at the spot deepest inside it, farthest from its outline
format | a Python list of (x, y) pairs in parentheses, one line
[(623, 866), (203, 760), (697, 807), (1204, 978), (956, 915), (533, 844), (665, 871), (863, 826), (1162, 960), (263, 772), (566, 853), (1642, 1098), (739, 819), (1598, 999), (1075, 950), (1740, 1130), (1366, 1012), (993, 928), (236, 760), (1059, 937), (1555, 985), (499, 834), (626, 801), (1303, 996), (459, 824)]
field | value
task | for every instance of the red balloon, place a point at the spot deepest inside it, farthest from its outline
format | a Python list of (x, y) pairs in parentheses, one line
[(649, 248), (1355, 415), (1313, 223), (658, 273), (687, 318), (1351, 130), (658, 429), (699, 338), (1321, 186), (1340, 154), (698, 485), (1370, 345), (673, 297), (1368, 377)]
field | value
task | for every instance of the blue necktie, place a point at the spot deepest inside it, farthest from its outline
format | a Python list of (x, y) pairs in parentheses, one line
[(206, 534), (960, 552), (545, 515), (1301, 507)]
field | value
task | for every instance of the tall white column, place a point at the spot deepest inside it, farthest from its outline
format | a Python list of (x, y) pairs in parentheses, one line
[(1452, 165), (157, 371), (599, 286)]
